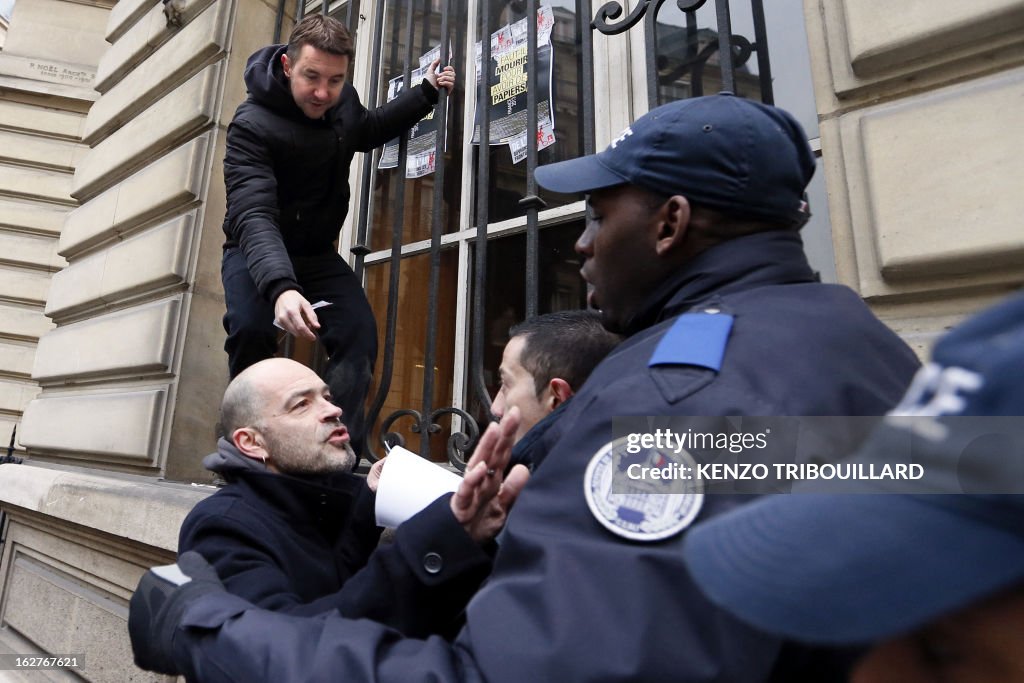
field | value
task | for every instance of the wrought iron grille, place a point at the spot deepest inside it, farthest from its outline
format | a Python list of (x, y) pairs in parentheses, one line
[(696, 56), (691, 55)]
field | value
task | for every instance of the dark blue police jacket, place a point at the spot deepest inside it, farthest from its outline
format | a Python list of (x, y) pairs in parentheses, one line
[(571, 598)]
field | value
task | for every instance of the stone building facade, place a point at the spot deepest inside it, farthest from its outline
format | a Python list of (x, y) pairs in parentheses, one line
[(112, 132)]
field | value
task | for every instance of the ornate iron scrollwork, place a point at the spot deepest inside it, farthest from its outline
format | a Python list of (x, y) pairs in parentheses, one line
[(459, 443), (739, 47), (613, 10)]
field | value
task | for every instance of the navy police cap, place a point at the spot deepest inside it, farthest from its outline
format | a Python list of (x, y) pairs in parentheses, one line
[(722, 151)]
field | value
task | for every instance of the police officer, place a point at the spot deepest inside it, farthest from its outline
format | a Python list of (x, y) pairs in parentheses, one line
[(693, 252), (935, 583)]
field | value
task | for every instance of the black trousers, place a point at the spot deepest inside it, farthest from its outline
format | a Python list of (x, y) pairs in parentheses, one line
[(347, 328)]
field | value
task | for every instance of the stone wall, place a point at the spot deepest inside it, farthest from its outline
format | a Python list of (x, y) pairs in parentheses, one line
[(921, 137), (76, 545), (110, 332), (43, 102), (141, 286)]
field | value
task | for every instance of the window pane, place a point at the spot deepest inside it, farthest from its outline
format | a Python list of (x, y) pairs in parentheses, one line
[(508, 179), (347, 12), (791, 62), (560, 288), (417, 208), (688, 59), (408, 373)]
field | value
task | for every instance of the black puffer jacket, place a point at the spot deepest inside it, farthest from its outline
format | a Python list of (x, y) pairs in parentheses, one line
[(287, 174)]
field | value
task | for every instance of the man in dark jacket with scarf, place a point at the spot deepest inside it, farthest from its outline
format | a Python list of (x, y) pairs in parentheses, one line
[(293, 530), (693, 253), (289, 148), (546, 360)]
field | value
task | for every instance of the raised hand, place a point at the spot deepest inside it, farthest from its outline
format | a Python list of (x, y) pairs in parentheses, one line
[(485, 496)]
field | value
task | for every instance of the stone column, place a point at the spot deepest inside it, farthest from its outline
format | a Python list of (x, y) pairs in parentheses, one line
[(920, 107), (123, 387)]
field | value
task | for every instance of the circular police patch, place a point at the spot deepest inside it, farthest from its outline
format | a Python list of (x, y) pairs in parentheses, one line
[(644, 495)]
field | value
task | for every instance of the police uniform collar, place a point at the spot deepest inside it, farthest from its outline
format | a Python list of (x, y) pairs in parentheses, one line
[(773, 257), (531, 450)]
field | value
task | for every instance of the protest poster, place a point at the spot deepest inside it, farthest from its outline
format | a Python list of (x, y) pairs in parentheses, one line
[(421, 157), (507, 85)]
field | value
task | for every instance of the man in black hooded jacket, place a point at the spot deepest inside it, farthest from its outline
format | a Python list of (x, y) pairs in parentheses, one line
[(289, 148)]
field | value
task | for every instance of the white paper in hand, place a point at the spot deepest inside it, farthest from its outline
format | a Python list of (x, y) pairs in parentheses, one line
[(408, 483), (318, 304)]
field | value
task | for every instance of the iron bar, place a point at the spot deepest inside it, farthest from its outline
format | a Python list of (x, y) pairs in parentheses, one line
[(482, 211), (424, 26), (690, 7), (361, 249), (733, 51), (725, 46), (651, 55), (531, 201), (278, 20), (742, 50), (395, 261), (692, 49), (585, 39), (459, 443), (764, 65), (10, 457), (430, 350)]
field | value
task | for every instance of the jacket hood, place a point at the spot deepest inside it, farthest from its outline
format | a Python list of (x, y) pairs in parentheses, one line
[(324, 500), (266, 82), (227, 461), (232, 465)]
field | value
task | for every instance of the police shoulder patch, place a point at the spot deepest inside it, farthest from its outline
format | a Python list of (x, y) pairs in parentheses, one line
[(695, 339), (646, 495)]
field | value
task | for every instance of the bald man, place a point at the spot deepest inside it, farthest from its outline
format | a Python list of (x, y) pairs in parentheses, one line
[(293, 529)]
